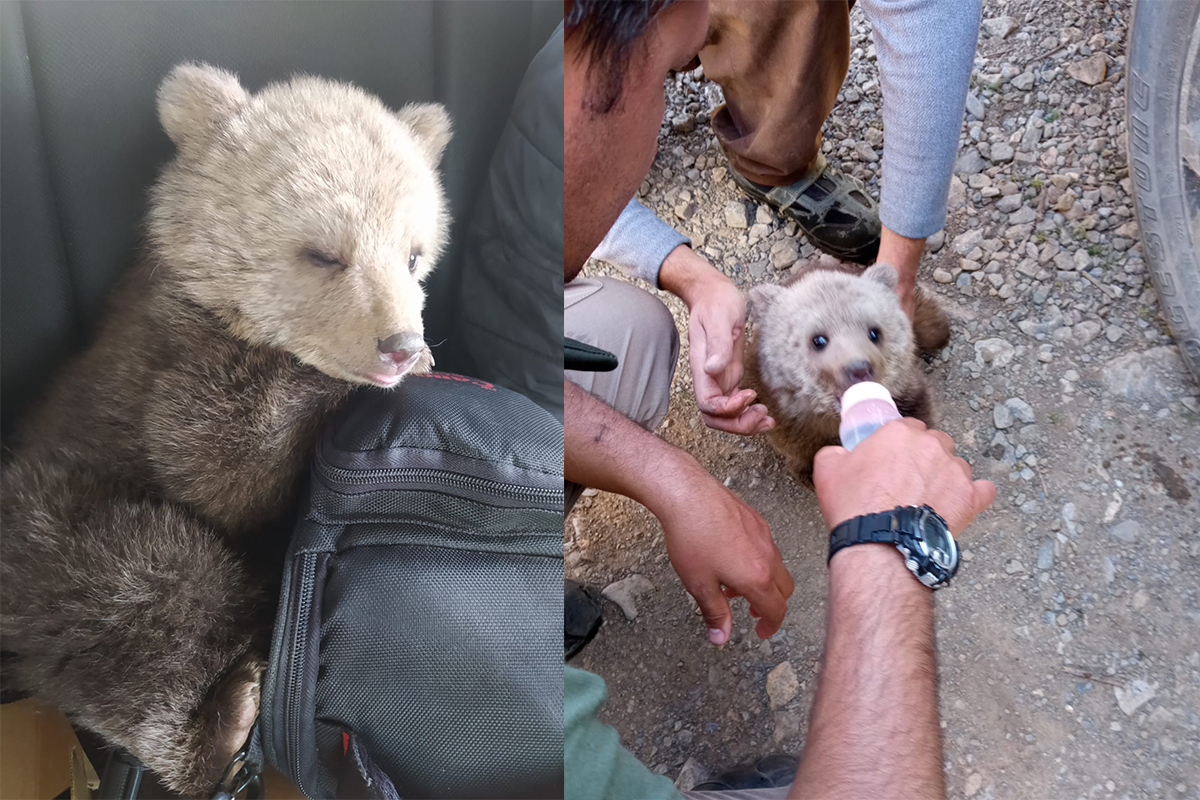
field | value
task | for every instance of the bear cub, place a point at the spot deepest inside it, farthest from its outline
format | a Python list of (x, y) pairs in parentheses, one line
[(828, 327), (146, 504)]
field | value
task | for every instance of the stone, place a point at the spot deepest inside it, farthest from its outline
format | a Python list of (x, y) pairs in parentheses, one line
[(684, 123), (973, 785), (692, 774), (865, 152), (970, 162), (1139, 376), (974, 106), (736, 216), (967, 241), (1045, 556), (1134, 695), (1126, 531), (999, 27), (997, 352), (1014, 567), (1002, 417), (1009, 203), (1002, 153), (1022, 216), (1086, 331), (625, 591), (1091, 70), (782, 685), (787, 726), (957, 196), (942, 276), (1020, 409), (1024, 82), (785, 253), (935, 242), (1114, 332)]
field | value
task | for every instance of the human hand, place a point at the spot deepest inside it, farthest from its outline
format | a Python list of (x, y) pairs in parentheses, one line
[(716, 327), (721, 548), (901, 464)]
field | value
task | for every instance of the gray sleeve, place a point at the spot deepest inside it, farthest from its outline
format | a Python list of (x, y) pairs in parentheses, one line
[(638, 242), (926, 49)]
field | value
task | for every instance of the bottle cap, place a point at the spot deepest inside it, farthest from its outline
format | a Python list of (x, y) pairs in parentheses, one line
[(866, 390)]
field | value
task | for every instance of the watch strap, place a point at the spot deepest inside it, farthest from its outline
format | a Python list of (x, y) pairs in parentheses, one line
[(883, 527)]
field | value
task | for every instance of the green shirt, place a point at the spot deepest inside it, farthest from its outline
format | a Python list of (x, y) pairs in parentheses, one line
[(597, 766)]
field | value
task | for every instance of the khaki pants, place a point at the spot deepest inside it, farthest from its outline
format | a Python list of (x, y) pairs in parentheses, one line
[(637, 328), (780, 64)]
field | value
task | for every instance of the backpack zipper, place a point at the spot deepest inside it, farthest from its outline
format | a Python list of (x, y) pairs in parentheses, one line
[(308, 571), (418, 478)]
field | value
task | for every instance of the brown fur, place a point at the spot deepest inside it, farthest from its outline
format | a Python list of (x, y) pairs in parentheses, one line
[(838, 300), (146, 504)]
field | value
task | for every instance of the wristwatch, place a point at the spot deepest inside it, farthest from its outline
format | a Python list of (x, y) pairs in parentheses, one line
[(930, 552)]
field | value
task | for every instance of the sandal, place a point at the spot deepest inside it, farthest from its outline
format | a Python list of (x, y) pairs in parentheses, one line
[(582, 617), (831, 207)]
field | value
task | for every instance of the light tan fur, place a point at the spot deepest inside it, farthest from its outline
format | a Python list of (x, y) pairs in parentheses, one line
[(802, 385), (146, 505)]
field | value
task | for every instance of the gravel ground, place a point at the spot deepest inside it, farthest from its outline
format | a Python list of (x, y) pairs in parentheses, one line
[(1070, 646)]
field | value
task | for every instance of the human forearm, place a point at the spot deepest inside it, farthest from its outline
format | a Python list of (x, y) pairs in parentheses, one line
[(874, 730), (904, 254), (608, 451)]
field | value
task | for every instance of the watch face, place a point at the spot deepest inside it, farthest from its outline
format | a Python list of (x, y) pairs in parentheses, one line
[(931, 552), (939, 544)]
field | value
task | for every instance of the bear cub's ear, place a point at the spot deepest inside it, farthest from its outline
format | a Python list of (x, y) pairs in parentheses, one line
[(763, 295), (882, 273), (194, 96), (431, 123)]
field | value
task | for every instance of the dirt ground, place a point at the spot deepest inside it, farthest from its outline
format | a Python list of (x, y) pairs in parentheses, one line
[(1069, 646)]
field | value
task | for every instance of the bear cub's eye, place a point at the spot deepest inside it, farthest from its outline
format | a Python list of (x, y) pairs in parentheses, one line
[(875, 335), (324, 260), (412, 261), (819, 341)]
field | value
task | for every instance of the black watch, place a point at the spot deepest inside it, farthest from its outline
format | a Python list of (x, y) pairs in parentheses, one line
[(930, 552)]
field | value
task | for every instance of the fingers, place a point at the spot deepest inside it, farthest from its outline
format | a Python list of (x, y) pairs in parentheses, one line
[(984, 494), (771, 607), (752, 421), (717, 616), (710, 401), (944, 440)]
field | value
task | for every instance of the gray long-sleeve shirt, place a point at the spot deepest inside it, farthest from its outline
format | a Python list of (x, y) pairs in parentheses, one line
[(926, 49)]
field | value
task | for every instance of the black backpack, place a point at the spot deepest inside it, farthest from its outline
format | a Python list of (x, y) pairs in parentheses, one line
[(415, 651)]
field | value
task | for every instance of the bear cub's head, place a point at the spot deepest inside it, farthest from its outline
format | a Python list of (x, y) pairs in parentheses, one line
[(304, 216), (828, 330)]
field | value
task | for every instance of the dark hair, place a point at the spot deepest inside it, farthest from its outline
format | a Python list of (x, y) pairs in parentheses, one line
[(607, 31)]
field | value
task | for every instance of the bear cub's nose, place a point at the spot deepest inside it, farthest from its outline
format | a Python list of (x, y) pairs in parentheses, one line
[(859, 371), (399, 347)]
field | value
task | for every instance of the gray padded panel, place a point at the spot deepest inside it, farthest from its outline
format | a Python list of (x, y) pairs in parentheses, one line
[(81, 144)]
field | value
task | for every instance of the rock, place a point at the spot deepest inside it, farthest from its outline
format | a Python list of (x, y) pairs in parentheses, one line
[(1019, 409), (974, 106), (1014, 567), (1002, 153), (935, 242), (967, 241), (763, 215), (942, 276), (785, 253), (997, 352), (999, 27), (865, 152), (1009, 203), (1024, 82), (1086, 331), (736, 216), (782, 685), (1045, 557), (787, 726), (1002, 417), (1089, 70), (691, 775), (1140, 376), (1114, 332), (1022, 216), (625, 591), (684, 123), (1134, 695), (957, 196), (970, 162), (973, 785), (1126, 531), (1140, 599)]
